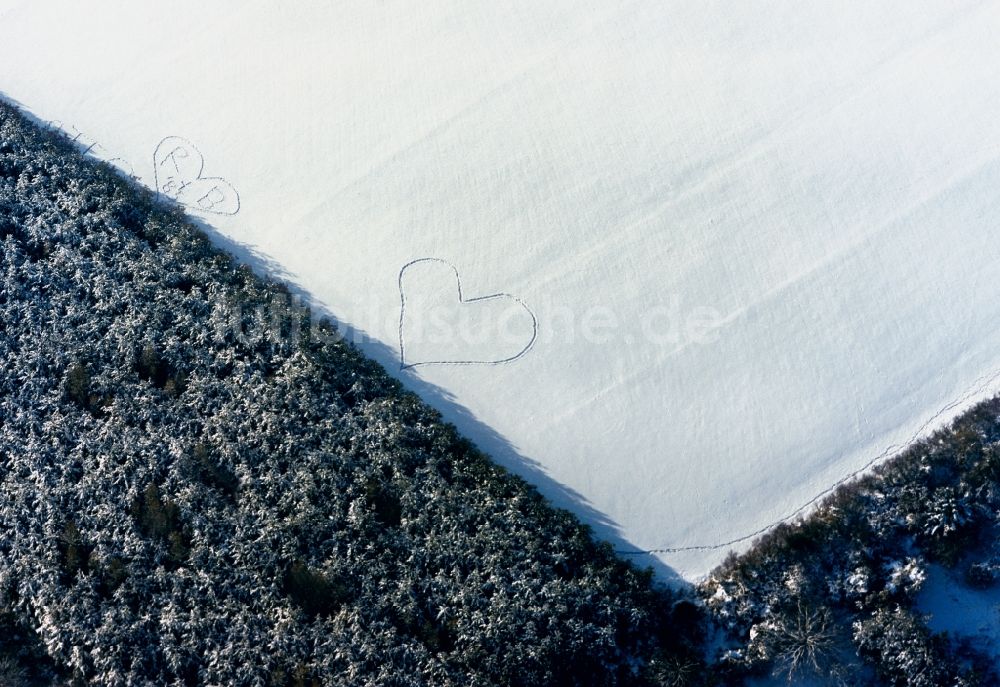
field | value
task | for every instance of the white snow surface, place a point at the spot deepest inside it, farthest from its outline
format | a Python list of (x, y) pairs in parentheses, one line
[(746, 247)]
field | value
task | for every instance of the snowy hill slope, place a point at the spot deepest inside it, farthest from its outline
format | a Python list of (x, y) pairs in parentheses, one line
[(755, 240), (202, 484)]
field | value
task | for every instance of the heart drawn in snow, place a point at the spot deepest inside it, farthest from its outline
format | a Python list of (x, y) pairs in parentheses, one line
[(438, 325), (177, 169)]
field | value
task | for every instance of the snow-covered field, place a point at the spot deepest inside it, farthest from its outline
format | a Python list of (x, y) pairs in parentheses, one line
[(691, 263)]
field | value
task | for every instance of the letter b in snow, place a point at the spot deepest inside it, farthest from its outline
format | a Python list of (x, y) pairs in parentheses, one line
[(178, 168)]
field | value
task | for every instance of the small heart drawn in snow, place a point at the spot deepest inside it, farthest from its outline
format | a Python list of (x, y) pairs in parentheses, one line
[(177, 169), (438, 325)]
